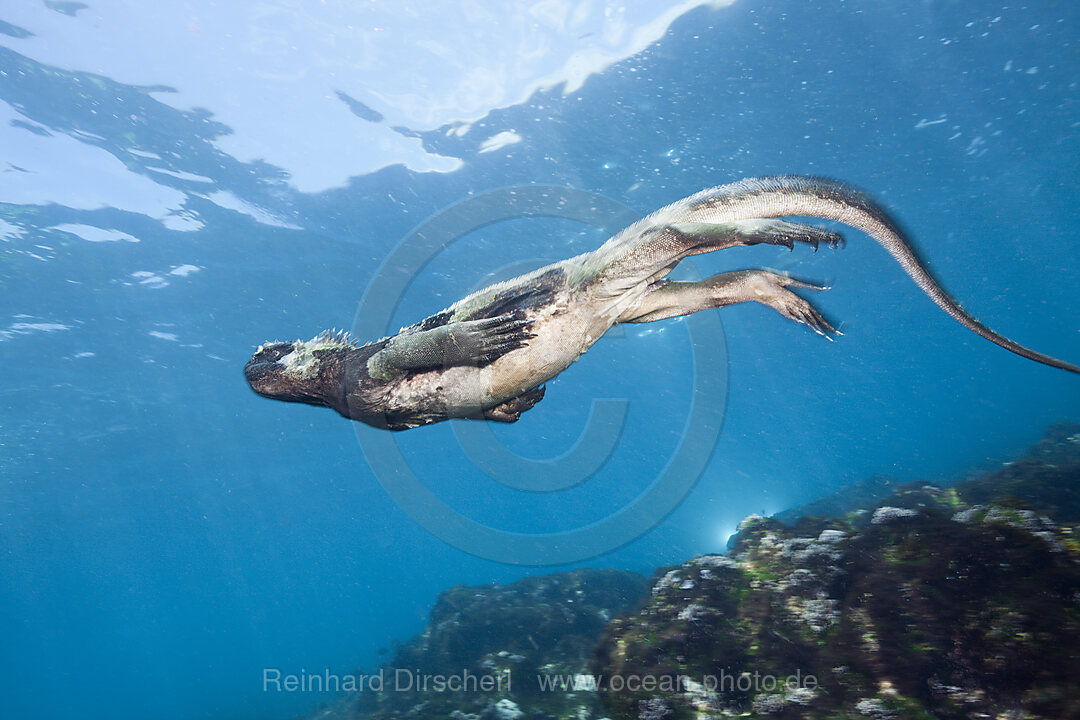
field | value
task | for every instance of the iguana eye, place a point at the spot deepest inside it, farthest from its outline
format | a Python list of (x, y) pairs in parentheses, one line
[(271, 353)]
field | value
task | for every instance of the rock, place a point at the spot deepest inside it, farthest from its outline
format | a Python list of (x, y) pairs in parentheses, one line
[(932, 603), (924, 616), (1043, 480), (888, 514), (541, 627), (506, 709)]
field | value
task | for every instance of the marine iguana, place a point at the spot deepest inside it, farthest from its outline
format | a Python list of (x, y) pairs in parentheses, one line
[(488, 355)]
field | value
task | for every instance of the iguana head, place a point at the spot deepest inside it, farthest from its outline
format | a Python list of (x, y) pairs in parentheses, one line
[(300, 371)]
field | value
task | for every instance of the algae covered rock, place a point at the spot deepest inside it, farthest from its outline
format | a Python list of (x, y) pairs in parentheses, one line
[(1044, 479), (926, 605), (504, 652)]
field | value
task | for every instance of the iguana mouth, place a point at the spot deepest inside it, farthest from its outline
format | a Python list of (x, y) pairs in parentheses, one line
[(263, 365)]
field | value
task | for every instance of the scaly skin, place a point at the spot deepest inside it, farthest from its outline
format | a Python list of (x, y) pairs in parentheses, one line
[(488, 355)]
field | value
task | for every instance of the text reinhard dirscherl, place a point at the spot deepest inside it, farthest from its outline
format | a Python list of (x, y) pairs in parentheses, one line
[(399, 680), (413, 680)]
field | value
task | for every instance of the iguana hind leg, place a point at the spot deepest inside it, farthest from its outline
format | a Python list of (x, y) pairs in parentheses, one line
[(671, 299), (657, 251), (706, 237)]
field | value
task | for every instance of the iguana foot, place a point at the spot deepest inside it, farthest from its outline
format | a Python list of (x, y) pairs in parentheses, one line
[(510, 411), (770, 289)]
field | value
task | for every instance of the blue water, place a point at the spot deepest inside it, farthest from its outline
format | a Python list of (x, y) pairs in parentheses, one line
[(165, 534)]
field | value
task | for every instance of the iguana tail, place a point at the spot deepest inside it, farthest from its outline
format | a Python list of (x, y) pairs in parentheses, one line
[(796, 196)]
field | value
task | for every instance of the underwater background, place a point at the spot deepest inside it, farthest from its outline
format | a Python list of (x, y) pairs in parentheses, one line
[(180, 182)]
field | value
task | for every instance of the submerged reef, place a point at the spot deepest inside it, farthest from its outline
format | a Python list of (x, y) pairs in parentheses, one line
[(487, 650), (935, 602), (932, 602)]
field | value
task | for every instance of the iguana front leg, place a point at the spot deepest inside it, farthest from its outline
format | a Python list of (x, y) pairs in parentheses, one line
[(470, 342)]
